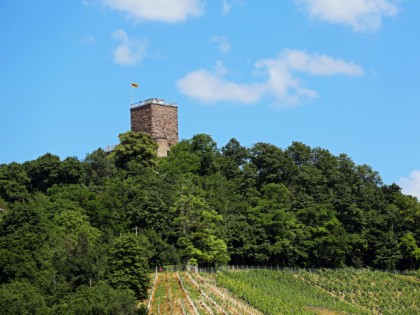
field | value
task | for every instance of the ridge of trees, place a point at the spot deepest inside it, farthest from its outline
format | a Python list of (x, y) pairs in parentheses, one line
[(73, 231)]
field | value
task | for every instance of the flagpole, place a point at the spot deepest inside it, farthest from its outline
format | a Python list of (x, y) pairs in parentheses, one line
[(133, 85)]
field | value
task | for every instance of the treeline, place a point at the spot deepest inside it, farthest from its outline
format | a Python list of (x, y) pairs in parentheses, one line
[(78, 237)]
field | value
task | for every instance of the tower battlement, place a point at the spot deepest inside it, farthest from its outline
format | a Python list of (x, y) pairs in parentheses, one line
[(155, 101), (158, 119)]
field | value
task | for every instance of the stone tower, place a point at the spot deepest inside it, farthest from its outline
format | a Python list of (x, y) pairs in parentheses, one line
[(158, 119)]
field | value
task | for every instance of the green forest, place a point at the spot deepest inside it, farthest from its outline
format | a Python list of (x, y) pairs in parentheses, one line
[(81, 236)]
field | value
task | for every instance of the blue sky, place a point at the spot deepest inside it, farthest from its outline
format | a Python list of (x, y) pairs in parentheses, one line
[(341, 75)]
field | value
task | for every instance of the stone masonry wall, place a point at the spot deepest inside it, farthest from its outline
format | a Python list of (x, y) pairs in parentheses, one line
[(162, 147), (159, 121), (141, 119), (165, 123)]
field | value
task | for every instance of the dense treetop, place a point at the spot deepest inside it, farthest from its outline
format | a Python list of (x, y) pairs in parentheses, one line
[(70, 225)]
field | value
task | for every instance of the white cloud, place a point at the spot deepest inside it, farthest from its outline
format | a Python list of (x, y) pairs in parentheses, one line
[(158, 10), (316, 64), (222, 42), (411, 185), (210, 87), (130, 51), (281, 81), (361, 15)]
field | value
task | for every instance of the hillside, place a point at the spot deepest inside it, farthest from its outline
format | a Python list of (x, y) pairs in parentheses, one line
[(73, 231), (285, 291)]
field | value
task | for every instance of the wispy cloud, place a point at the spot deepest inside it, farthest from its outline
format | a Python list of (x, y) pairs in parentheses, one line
[(361, 15), (226, 7), (411, 185), (316, 64), (281, 79), (90, 40), (222, 43), (169, 11), (130, 51)]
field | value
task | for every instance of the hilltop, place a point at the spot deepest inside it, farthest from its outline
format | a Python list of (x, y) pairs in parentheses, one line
[(73, 231)]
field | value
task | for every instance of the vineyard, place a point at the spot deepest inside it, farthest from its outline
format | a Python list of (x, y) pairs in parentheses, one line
[(190, 293), (379, 292), (249, 292)]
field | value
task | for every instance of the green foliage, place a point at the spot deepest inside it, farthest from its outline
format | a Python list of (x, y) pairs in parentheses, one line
[(346, 291), (20, 298), (272, 164), (410, 249), (206, 149), (196, 225), (234, 156), (4, 207), (100, 299), (181, 160), (381, 292), (75, 241), (99, 167), (44, 172), (276, 232), (23, 233), (14, 182), (67, 228), (71, 171), (160, 252), (127, 268), (276, 292), (136, 148), (327, 242)]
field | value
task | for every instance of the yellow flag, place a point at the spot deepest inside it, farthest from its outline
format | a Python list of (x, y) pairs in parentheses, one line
[(134, 85)]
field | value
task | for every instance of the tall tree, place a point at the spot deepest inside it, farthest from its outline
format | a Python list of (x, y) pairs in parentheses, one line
[(205, 147), (44, 172), (14, 182), (273, 165), (234, 156), (128, 266), (196, 225), (137, 148), (99, 166)]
